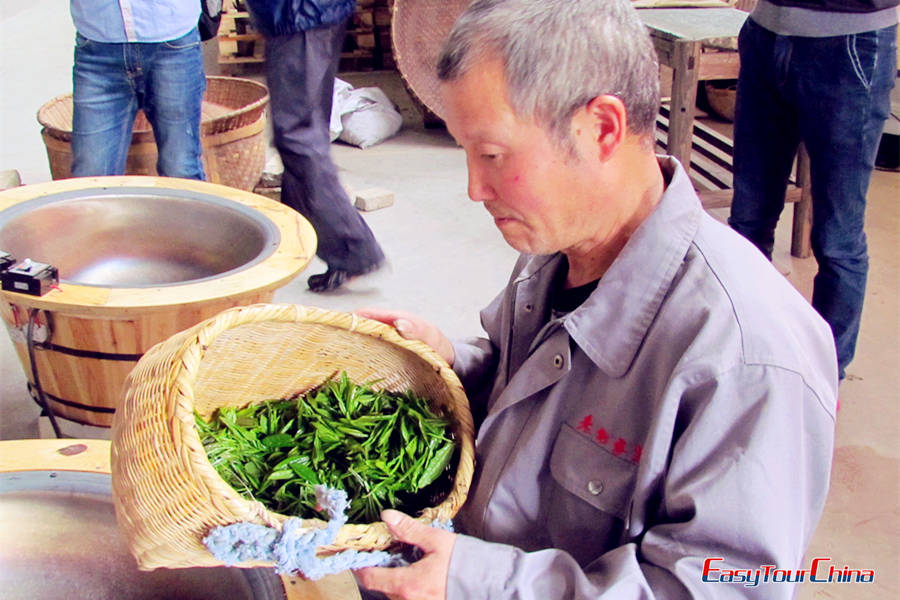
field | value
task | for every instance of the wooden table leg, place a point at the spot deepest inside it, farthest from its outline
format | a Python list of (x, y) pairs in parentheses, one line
[(800, 245), (685, 67)]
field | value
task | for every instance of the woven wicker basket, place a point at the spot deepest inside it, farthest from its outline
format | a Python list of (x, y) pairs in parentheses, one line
[(167, 494), (721, 99), (232, 133)]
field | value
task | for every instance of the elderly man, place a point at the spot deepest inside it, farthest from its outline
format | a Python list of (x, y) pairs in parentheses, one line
[(655, 402)]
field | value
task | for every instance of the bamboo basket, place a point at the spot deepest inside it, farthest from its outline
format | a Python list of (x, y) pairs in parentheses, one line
[(232, 131), (166, 493), (721, 99)]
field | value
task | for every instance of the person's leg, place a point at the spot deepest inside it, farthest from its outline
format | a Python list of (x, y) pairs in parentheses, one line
[(300, 70), (172, 100), (844, 85), (104, 107), (765, 136)]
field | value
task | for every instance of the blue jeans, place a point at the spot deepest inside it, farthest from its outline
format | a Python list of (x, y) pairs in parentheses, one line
[(112, 81), (833, 94)]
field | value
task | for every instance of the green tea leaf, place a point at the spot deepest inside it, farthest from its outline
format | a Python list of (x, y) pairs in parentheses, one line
[(378, 446), (305, 472), (436, 465)]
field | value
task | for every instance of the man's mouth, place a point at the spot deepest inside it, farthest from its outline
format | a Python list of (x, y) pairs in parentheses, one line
[(500, 218)]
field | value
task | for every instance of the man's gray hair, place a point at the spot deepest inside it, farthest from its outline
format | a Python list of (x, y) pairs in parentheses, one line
[(558, 55)]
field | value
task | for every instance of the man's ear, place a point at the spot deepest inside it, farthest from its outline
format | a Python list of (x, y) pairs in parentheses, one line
[(605, 120)]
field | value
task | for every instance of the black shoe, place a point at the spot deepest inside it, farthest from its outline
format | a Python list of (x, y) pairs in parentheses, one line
[(332, 279)]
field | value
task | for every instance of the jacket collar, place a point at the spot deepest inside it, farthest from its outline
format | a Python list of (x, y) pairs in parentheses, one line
[(612, 323)]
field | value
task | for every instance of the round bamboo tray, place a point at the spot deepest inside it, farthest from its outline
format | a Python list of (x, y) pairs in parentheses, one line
[(168, 496), (232, 132), (97, 332), (418, 31)]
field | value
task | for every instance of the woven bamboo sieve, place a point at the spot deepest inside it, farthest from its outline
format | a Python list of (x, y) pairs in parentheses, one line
[(232, 131), (168, 496), (418, 31)]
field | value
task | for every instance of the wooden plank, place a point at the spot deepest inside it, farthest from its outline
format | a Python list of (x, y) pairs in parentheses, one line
[(236, 28), (713, 26), (722, 199), (234, 59), (704, 174), (55, 455), (239, 37), (711, 199), (714, 172), (710, 166), (719, 65)]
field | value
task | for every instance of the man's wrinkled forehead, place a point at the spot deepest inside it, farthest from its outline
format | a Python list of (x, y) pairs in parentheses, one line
[(477, 104)]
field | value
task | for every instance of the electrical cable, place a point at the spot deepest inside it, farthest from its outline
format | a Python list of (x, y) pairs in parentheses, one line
[(29, 339)]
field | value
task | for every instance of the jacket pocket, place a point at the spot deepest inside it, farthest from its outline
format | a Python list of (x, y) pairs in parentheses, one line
[(593, 473)]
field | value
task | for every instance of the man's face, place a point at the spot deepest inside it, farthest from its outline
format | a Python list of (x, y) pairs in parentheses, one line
[(536, 192)]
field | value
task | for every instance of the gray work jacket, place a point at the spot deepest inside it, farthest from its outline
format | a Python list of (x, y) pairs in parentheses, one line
[(684, 411)]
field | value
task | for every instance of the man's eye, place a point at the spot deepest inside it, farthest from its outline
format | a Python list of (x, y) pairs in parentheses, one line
[(490, 156)]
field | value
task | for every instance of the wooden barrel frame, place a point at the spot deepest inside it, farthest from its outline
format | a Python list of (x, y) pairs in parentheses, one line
[(97, 334), (91, 456)]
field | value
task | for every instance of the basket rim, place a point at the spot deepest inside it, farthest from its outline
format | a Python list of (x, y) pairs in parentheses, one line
[(183, 375), (414, 56), (210, 124), (247, 109)]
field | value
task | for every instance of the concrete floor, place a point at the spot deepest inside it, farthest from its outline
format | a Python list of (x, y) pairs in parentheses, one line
[(447, 261)]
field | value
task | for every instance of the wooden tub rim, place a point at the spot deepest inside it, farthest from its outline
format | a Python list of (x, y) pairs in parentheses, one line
[(295, 249)]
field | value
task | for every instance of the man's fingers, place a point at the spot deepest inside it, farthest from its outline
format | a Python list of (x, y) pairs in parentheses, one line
[(396, 319), (412, 327), (376, 314), (407, 329), (378, 578), (423, 580), (406, 529)]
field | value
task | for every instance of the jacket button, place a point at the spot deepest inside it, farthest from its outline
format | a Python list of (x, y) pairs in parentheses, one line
[(558, 361), (528, 307), (595, 487)]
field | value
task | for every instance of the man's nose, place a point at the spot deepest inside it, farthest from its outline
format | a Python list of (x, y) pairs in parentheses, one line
[(479, 189)]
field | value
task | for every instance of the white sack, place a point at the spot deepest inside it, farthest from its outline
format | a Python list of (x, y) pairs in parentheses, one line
[(340, 104), (362, 117)]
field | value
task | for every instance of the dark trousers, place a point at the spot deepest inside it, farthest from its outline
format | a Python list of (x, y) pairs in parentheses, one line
[(832, 93), (300, 71)]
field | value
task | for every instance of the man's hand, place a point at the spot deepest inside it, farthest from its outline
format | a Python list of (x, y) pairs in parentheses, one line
[(425, 579), (412, 327)]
